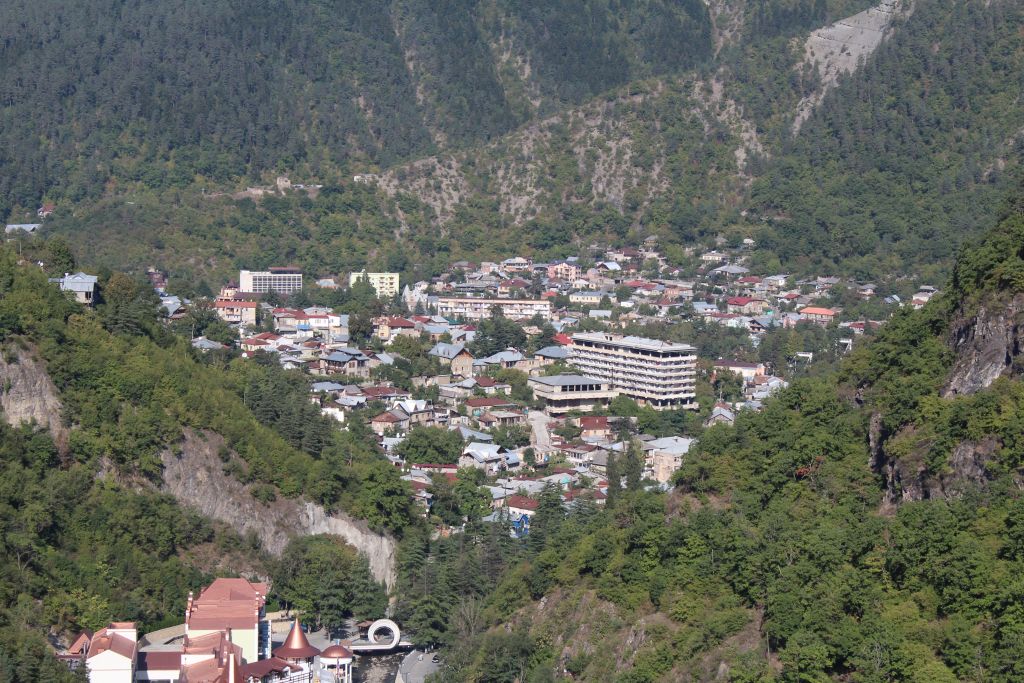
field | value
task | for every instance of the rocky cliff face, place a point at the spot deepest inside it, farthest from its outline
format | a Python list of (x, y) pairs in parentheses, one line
[(987, 346), (28, 393), (194, 475), (908, 479)]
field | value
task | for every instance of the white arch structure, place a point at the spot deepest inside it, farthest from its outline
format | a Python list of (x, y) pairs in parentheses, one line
[(384, 625), (371, 644)]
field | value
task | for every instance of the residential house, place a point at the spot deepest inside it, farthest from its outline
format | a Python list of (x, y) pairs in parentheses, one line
[(344, 361), (720, 414), (394, 421), (587, 297), (478, 406), (454, 356), (663, 457), (386, 328), (748, 371), (488, 457), (594, 428), (818, 316), (745, 305), (112, 652), (81, 286), (563, 270)]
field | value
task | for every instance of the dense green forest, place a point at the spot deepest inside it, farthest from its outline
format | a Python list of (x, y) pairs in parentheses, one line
[(900, 162), (117, 93), (784, 552), (81, 549)]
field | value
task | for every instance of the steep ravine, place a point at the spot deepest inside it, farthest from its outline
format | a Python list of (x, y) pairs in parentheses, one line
[(194, 476)]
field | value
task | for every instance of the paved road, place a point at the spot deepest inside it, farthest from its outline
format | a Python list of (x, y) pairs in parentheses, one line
[(540, 437)]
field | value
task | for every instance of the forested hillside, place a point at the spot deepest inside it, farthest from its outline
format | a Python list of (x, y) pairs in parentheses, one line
[(528, 147), (86, 536), (166, 93), (867, 525)]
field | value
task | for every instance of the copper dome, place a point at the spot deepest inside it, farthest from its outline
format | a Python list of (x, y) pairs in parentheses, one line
[(336, 652)]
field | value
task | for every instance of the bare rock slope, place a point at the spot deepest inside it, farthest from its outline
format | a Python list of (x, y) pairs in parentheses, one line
[(28, 394), (838, 49), (194, 475)]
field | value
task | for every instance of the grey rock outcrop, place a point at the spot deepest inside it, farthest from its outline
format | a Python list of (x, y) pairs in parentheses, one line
[(29, 394), (194, 475), (987, 346), (908, 479)]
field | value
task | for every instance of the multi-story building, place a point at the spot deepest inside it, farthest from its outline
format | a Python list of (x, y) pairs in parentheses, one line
[(280, 280), (564, 393), (234, 605), (385, 284), (652, 372), (564, 270), (478, 309), (236, 312)]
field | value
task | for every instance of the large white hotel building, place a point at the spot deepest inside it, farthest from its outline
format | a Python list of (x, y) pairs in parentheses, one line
[(281, 280), (660, 374)]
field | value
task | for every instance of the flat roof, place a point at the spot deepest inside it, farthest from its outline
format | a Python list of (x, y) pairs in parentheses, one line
[(566, 380), (629, 341)]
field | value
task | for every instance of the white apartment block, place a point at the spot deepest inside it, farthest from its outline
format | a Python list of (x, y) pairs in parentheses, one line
[(651, 372), (478, 309), (280, 280), (385, 284)]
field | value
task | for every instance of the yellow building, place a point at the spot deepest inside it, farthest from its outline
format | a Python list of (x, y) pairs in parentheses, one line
[(385, 284)]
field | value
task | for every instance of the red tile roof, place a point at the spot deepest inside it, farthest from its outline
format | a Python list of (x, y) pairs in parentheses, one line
[(227, 603), (262, 667), (160, 661), (105, 639), (522, 502), (593, 423)]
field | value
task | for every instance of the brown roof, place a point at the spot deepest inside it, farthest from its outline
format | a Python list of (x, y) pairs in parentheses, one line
[(336, 652), (105, 639), (488, 402), (81, 643), (221, 665), (160, 661), (522, 502), (261, 668), (296, 646), (227, 603)]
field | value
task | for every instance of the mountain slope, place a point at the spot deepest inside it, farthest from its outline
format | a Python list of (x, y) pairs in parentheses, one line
[(118, 92), (867, 525)]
